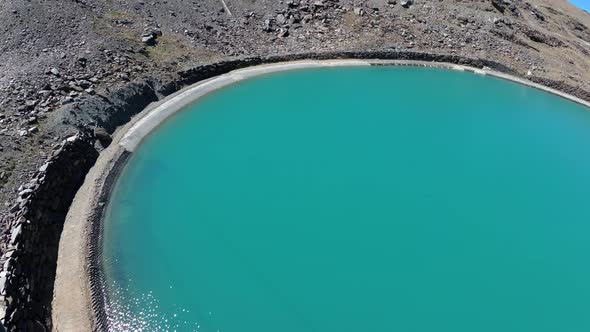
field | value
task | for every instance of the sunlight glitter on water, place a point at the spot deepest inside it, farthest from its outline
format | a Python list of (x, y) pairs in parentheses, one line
[(123, 317)]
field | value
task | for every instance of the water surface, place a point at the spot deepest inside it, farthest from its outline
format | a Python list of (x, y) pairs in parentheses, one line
[(357, 199)]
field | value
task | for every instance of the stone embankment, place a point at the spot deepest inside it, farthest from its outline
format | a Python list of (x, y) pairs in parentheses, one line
[(35, 222)]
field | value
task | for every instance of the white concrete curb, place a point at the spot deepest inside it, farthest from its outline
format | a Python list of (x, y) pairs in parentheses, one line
[(164, 110)]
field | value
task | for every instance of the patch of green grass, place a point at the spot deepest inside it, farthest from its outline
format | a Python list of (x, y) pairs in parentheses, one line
[(10, 166), (104, 26), (351, 21), (170, 49), (167, 49)]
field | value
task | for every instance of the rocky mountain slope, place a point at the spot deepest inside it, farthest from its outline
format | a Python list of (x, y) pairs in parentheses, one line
[(58, 52)]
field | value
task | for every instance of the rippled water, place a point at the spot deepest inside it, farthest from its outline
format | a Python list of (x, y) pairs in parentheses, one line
[(357, 199)]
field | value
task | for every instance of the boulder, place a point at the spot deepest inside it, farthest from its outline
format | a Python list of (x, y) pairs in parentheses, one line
[(103, 136), (148, 40), (283, 33)]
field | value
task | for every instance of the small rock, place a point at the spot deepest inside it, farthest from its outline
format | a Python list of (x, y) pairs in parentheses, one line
[(85, 84), (283, 33), (318, 3), (67, 100), (538, 15), (156, 31), (150, 34), (82, 61), (103, 136), (267, 26), (16, 232), (148, 40), (54, 71), (75, 86), (406, 3), (25, 192), (500, 5), (359, 11), (3, 279), (124, 76), (72, 139)]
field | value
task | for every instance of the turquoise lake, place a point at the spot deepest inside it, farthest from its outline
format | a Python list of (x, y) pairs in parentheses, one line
[(356, 199)]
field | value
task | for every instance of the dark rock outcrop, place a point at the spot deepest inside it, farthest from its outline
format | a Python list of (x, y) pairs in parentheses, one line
[(108, 112)]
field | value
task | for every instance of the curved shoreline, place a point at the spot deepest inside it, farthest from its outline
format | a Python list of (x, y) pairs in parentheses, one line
[(79, 299), (139, 130)]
